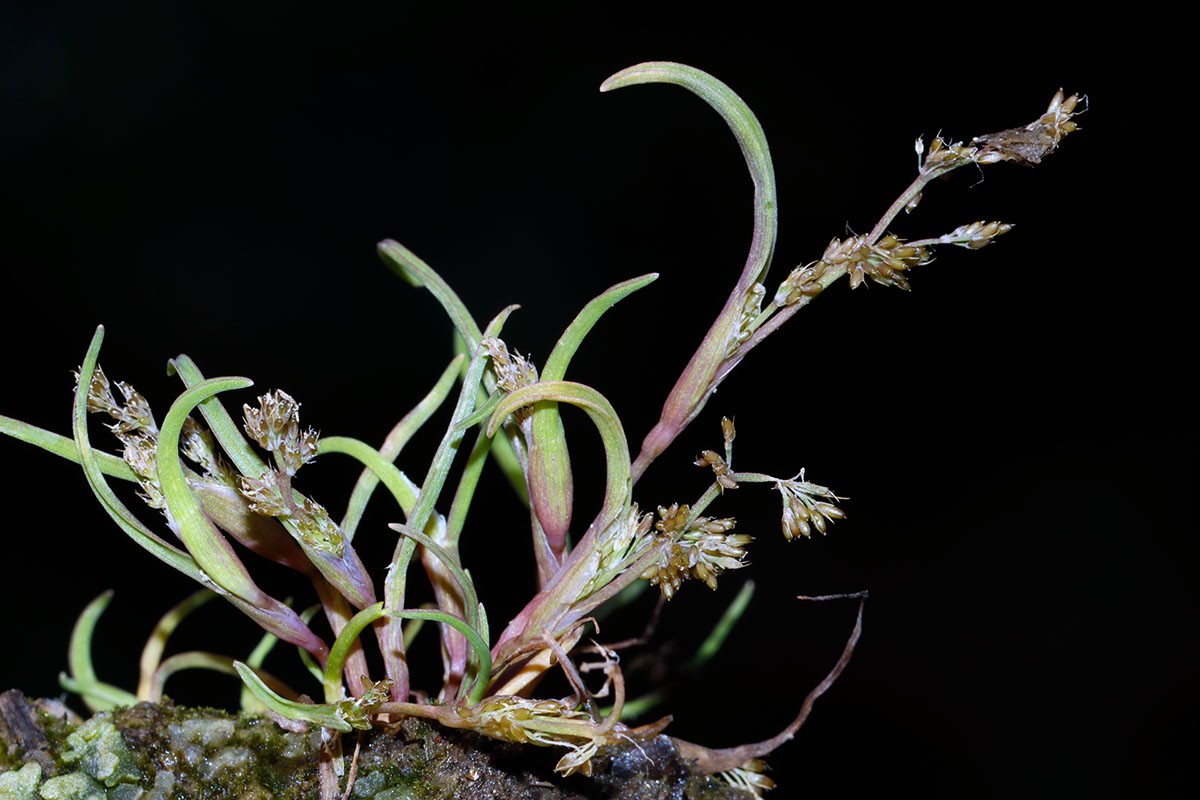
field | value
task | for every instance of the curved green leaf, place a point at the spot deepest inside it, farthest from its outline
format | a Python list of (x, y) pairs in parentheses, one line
[(97, 695), (471, 603), (750, 138), (202, 538), (326, 715), (332, 676), (214, 662), (406, 264), (564, 350), (551, 485), (224, 429), (403, 490), (602, 414), (700, 377), (483, 656)]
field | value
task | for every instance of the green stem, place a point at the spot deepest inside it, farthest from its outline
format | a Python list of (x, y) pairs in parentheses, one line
[(395, 441)]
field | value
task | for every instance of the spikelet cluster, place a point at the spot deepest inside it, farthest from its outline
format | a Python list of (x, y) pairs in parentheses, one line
[(134, 427), (275, 425), (136, 430), (807, 506), (701, 549), (975, 235), (357, 712), (626, 539), (512, 370), (751, 308), (543, 722), (803, 282)]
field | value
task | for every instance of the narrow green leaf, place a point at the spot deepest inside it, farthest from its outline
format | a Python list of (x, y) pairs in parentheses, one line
[(157, 641), (750, 138), (483, 656), (713, 643), (324, 715), (465, 585), (567, 345), (98, 696), (214, 662), (395, 441), (406, 264), (403, 490), (64, 447), (392, 640), (467, 483), (255, 660), (227, 432), (551, 485)]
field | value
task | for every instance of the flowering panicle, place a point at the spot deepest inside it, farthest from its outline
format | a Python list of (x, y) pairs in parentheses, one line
[(131, 415), (512, 370), (807, 506), (267, 497)]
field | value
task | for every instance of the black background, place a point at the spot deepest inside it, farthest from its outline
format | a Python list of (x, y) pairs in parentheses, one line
[(1014, 435)]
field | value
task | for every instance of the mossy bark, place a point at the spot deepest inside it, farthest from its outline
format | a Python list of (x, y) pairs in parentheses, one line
[(167, 752)]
